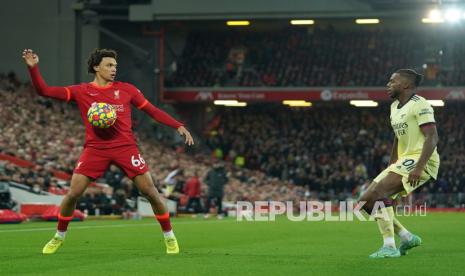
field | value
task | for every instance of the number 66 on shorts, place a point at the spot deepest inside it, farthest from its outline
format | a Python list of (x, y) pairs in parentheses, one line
[(138, 162), (94, 162)]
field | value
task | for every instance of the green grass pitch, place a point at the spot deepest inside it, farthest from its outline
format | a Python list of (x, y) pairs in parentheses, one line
[(228, 247)]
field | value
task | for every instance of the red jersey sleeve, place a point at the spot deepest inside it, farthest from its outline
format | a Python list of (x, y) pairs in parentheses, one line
[(56, 92), (139, 101), (74, 91)]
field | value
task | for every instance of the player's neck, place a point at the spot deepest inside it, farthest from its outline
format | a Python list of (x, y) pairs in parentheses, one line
[(100, 82), (405, 97)]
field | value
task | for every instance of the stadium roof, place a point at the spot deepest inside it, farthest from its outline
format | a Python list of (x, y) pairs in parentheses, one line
[(404, 4), (146, 10)]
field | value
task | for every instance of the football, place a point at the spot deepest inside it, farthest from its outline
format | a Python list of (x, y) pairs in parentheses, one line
[(101, 115)]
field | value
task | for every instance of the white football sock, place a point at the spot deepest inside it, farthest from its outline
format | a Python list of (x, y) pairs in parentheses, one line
[(389, 242), (405, 235), (61, 234), (169, 234)]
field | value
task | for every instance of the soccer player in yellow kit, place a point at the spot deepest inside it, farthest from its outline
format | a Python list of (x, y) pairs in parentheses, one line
[(414, 161)]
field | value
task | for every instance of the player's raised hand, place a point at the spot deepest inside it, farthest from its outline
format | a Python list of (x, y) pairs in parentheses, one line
[(30, 57), (184, 132)]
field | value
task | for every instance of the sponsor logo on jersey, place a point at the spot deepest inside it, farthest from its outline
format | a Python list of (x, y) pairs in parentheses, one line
[(399, 126), (425, 111), (118, 107)]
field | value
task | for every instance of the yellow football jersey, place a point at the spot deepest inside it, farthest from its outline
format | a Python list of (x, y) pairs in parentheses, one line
[(406, 121)]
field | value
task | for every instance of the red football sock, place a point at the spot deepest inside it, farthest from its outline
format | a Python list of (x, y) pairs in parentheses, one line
[(164, 221), (63, 223)]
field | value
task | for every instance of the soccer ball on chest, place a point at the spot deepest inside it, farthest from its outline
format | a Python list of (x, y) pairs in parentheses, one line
[(101, 115)]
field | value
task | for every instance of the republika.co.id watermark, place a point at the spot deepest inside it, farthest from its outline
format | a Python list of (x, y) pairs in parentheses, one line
[(319, 211)]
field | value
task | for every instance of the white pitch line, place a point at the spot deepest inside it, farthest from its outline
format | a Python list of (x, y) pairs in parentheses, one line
[(108, 226), (75, 227)]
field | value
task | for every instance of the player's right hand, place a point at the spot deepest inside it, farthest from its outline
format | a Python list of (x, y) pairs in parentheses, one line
[(30, 57)]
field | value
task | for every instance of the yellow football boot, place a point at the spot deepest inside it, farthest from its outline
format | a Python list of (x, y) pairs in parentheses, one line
[(53, 245), (172, 246)]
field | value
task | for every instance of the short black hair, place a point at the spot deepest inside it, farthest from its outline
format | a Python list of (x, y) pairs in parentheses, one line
[(414, 77), (96, 57)]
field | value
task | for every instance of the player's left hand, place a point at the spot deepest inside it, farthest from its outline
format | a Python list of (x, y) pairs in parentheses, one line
[(414, 176), (184, 132)]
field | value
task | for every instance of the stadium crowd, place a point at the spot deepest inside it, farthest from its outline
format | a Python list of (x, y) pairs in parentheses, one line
[(456, 76), (331, 149), (314, 57), (322, 153)]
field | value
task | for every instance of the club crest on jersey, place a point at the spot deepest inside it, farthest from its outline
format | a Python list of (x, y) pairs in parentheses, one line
[(116, 94)]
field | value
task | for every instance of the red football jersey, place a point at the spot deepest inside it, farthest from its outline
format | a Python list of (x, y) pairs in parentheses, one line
[(120, 95)]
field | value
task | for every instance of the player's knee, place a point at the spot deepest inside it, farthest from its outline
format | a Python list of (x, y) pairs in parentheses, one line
[(380, 194), (367, 197), (370, 197)]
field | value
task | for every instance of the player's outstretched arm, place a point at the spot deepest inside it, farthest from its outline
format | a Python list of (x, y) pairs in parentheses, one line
[(164, 118), (157, 114), (32, 60)]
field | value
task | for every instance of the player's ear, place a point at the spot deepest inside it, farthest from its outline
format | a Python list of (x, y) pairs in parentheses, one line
[(405, 84), (96, 68)]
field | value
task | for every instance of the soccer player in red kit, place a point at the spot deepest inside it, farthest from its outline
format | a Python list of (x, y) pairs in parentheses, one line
[(116, 144)]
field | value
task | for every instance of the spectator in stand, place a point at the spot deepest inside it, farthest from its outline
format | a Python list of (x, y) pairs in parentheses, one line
[(192, 189), (104, 201), (86, 203), (171, 179), (5, 196), (55, 189), (114, 176), (120, 202), (216, 179)]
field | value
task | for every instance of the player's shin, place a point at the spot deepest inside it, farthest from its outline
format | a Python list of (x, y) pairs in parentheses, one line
[(165, 224), (401, 231), (62, 226), (384, 217)]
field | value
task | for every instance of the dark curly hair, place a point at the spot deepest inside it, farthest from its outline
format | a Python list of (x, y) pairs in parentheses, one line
[(96, 57)]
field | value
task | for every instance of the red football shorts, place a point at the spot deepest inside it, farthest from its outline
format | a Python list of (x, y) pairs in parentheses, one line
[(94, 162)]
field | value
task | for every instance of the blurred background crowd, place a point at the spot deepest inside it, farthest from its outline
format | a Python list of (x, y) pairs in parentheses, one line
[(316, 57)]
